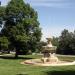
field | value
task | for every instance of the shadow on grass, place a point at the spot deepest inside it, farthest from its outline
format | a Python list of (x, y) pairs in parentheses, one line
[(12, 57), (68, 72), (22, 74)]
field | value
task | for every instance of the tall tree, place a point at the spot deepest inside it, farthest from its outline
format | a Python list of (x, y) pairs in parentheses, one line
[(21, 26), (65, 42), (72, 44), (2, 14)]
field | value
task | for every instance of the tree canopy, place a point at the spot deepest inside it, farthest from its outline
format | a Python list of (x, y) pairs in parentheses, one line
[(21, 26), (66, 42)]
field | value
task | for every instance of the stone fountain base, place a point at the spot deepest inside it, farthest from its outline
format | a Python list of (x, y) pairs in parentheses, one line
[(52, 58), (38, 62), (48, 61)]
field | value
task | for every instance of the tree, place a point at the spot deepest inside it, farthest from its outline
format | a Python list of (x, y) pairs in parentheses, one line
[(2, 14), (55, 41), (65, 42), (21, 26), (4, 43), (41, 44), (72, 44)]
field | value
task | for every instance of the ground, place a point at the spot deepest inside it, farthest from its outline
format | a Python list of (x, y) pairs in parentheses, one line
[(11, 66)]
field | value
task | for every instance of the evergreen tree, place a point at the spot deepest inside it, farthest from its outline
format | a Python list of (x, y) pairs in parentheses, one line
[(65, 42)]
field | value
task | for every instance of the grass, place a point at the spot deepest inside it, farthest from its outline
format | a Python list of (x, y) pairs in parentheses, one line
[(11, 66)]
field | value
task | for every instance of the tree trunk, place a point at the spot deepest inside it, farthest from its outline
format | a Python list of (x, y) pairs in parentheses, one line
[(16, 54), (8, 51)]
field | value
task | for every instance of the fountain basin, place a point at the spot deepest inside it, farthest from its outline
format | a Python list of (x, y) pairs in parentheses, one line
[(38, 62)]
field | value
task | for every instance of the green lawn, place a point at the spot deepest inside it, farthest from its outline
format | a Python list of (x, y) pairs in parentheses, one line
[(11, 66)]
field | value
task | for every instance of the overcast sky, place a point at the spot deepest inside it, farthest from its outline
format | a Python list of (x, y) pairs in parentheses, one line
[(54, 15)]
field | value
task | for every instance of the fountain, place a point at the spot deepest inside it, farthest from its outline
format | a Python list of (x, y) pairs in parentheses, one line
[(49, 52), (49, 57)]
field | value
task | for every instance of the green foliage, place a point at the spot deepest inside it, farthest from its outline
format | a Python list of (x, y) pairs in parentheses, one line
[(40, 45), (21, 38), (2, 14), (55, 41), (2, 11), (4, 43), (66, 42), (21, 26)]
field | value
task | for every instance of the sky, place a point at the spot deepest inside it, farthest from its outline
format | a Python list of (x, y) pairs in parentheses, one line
[(53, 15)]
